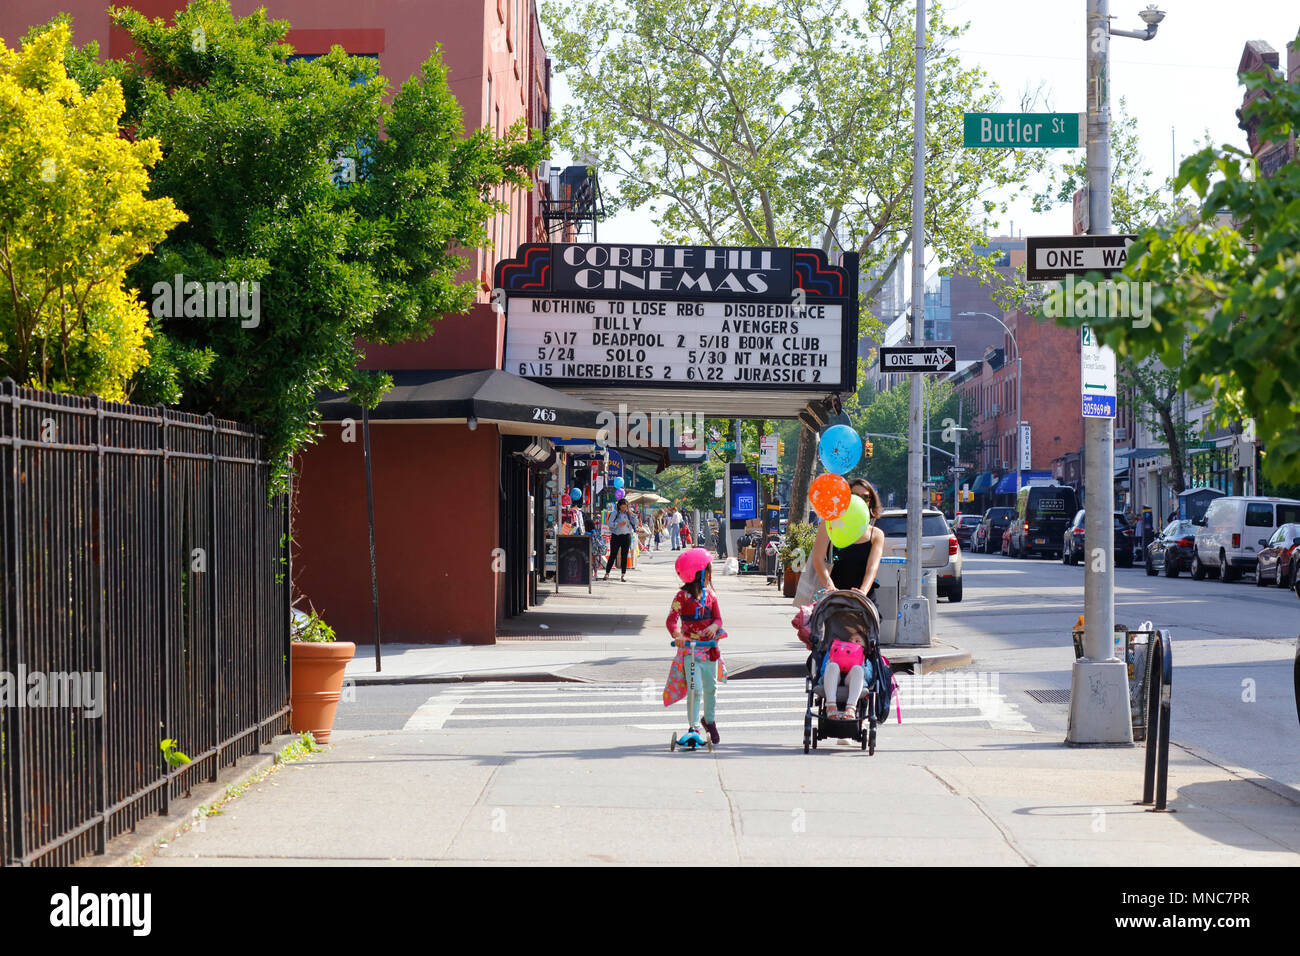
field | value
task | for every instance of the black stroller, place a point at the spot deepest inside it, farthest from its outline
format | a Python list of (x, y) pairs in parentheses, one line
[(837, 615)]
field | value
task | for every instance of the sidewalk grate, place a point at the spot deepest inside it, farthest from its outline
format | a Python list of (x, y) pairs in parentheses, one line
[(547, 635), (1051, 695)]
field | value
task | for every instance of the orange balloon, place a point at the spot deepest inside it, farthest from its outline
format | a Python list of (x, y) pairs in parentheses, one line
[(829, 495)]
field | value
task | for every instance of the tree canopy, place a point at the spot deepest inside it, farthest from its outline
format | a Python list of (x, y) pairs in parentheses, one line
[(73, 217), (253, 141), (1224, 283)]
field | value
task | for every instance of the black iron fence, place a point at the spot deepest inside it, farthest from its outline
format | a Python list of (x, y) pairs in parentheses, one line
[(145, 598)]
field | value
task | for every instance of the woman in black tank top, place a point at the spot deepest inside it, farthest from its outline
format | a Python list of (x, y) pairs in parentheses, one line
[(853, 567)]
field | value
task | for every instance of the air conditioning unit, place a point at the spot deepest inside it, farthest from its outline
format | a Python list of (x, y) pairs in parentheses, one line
[(1006, 465), (1121, 434)]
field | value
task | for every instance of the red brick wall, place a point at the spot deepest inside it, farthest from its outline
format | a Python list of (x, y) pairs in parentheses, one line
[(435, 490)]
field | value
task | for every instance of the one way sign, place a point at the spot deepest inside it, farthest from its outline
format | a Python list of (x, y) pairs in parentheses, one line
[(918, 358)]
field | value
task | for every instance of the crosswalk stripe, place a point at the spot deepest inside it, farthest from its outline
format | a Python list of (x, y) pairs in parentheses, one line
[(433, 713)]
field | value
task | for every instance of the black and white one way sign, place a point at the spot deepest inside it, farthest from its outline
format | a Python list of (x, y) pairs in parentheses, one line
[(1049, 258), (918, 358)]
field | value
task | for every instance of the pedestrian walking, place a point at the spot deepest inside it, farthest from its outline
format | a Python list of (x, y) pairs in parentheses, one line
[(620, 539), (675, 528), (659, 527), (686, 534), (695, 616)]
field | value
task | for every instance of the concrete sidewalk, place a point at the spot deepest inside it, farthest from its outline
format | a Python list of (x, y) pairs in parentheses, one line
[(933, 795), (617, 633)]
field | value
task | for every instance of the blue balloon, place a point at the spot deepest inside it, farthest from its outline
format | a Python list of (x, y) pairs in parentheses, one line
[(618, 482), (576, 494), (840, 449)]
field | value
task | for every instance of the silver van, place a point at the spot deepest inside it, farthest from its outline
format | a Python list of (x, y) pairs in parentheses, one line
[(1234, 529)]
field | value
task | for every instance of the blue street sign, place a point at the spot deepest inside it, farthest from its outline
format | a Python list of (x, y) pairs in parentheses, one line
[(1098, 406)]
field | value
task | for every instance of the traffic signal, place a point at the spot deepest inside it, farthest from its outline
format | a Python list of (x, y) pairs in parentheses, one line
[(780, 448), (866, 448)]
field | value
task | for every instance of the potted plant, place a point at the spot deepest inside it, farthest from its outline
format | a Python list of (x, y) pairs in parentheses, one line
[(796, 550), (316, 665)]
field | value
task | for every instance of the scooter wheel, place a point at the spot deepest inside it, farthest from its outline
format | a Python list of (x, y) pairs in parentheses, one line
[(672, 742), (805, 745), (871, 743)]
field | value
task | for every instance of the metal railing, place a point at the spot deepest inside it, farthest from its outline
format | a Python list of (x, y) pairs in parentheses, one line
[(146, 582), (1160, 686)]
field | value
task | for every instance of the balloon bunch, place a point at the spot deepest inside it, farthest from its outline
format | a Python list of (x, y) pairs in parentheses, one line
[(845, 514)]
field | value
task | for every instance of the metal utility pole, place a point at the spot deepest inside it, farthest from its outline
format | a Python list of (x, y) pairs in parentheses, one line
[(956, 468), (914, 610), (1099, 699)]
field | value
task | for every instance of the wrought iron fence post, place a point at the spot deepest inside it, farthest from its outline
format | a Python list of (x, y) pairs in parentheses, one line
[(101, 831), (15, 731), (165, 559), (215, 595)]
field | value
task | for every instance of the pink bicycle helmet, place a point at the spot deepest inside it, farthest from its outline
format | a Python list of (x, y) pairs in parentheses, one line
[(692, 562)]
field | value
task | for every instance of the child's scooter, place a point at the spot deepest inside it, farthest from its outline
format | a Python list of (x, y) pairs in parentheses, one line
[(692, 739)]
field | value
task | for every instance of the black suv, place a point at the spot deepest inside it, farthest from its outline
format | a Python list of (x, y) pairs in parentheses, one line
[(1042, 517), (1072, 542), (988, 536)]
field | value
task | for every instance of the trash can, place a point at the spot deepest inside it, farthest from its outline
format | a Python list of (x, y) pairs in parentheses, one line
[(1134, 647)]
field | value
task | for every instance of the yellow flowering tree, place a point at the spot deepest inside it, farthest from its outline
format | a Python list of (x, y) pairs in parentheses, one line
[(73, 218)]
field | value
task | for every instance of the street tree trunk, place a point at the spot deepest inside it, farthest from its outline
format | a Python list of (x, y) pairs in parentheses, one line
[(803, 468), (1174, 441)]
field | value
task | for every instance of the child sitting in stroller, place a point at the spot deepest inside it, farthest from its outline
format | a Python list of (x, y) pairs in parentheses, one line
[(845, 656)]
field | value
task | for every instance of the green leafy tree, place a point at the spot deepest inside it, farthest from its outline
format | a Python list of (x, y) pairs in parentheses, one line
[(1224, 285), (73, 218), (785, 123), (253, 149)]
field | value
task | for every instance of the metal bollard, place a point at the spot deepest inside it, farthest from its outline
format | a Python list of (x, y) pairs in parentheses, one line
[(1155, 784)]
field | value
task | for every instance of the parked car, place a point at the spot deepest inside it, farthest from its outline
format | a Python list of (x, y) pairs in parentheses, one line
[(992, 528), (1233, 530), (1041, 520), (1171, 550), (939, 549), (1279, 562), (964, 527), (1072, 541)]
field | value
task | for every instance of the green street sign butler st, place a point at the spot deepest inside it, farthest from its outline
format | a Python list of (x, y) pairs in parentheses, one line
[(1022, 130)]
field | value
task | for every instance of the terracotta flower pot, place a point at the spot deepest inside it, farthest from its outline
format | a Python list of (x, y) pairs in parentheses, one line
[(316, 673), (791, 583)]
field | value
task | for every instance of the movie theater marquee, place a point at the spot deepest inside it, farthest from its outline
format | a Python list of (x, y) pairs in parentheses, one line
[(596, 316)]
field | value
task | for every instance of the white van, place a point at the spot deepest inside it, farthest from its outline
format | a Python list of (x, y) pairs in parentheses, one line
[(1234, 529)]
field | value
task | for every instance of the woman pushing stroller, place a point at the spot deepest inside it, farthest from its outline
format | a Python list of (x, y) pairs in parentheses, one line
[(851, 568)]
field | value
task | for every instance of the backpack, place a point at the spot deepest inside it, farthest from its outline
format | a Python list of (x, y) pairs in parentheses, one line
[(886, 684)]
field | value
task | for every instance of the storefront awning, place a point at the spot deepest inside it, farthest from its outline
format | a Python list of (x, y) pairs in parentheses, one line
[(1007, 486), (983, 482), (492, 397)]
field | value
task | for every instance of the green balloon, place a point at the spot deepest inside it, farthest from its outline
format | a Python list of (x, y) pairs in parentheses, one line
[(848, 527)]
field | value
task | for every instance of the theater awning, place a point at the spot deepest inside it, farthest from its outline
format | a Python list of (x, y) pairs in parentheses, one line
[(489, 396)]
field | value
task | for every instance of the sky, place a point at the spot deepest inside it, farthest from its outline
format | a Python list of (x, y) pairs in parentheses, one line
[(1180, 86)]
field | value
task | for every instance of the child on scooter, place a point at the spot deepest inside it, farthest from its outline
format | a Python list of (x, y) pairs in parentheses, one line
[(695, 616)]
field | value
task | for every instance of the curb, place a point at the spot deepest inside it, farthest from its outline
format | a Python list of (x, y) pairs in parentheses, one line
[(522, 677), (1275, 787)]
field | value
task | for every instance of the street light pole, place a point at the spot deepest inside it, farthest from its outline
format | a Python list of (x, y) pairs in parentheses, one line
[(914, 609), (1099, 699)]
